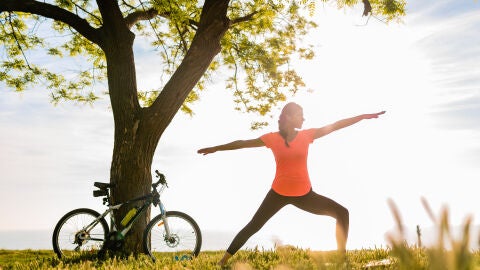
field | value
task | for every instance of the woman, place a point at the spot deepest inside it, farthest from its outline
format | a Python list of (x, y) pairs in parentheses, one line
[(291, 184)]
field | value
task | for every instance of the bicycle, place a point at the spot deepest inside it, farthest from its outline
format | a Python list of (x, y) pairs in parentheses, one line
[(86, 230)]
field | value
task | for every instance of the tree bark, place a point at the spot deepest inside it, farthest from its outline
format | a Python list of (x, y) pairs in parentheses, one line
[(132, 156)]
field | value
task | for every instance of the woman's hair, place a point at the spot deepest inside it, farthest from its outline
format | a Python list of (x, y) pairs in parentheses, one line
[(287, 110)]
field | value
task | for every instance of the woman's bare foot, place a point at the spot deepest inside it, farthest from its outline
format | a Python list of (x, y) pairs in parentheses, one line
[(225, 258)]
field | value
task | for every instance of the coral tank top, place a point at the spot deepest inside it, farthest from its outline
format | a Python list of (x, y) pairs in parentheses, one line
[(291, 176)]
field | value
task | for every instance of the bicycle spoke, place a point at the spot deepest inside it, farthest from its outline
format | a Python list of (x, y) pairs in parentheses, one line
[(70, 237), (184, 235)]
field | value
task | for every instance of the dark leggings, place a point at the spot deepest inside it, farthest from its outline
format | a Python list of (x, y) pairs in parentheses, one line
[(273, 202)]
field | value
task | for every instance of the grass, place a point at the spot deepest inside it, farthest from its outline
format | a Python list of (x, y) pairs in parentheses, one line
[(448, 254), (281, 258)]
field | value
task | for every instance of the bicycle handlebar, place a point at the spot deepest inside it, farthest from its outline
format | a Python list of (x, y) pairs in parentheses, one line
[(161, 179)]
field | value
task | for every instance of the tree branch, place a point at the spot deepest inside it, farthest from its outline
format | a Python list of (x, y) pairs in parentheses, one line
[(52, 12), (367, 8), (128, 5), (193, 24), (18, 41), (87, 12), (113, 21), (244, 18), (141, 15), (204, 47), (182, 38)]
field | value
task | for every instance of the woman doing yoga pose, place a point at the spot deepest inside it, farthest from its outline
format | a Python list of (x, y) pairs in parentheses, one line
[(291, 184)]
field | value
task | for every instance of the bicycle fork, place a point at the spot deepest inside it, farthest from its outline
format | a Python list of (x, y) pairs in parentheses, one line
[(168, 236)]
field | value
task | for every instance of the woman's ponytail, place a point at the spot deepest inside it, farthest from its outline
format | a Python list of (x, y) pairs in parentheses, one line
[(282, 119)]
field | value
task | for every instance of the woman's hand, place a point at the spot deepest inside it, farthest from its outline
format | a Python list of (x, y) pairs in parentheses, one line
[(373, 115), (208, 150)]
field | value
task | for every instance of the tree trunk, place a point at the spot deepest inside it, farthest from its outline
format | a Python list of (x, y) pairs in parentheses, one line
[(138, 130), (133, 148), (131, 171)]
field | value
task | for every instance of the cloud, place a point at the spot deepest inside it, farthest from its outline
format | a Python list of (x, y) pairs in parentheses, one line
[(462, 113), (450, 34), (428, 11)]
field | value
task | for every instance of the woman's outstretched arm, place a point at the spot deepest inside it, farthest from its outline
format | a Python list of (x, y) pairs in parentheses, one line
[(232, 146), (319, 132)]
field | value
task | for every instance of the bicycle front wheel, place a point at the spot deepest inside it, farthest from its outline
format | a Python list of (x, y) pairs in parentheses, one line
[(80, 230), (183, 238)]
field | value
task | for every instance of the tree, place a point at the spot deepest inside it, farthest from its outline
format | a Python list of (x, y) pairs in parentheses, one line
[(255, 39)]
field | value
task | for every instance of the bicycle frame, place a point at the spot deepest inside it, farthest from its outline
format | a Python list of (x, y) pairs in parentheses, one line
[(149, 199)]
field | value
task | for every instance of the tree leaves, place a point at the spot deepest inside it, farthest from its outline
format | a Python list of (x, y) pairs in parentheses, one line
[(260, 51), (20, 39), (257, 51)]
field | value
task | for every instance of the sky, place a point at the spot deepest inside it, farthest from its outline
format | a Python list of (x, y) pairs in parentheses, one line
[(424, 73)]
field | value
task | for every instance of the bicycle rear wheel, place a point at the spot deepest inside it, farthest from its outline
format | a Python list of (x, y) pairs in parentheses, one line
[(185, 238), (72, 237)]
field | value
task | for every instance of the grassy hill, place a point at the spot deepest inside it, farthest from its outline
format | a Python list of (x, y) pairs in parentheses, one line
[(451, 252), (281, 258)]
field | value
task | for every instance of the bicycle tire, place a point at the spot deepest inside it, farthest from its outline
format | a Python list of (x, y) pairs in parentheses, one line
[(65, 238), (186, 237)]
